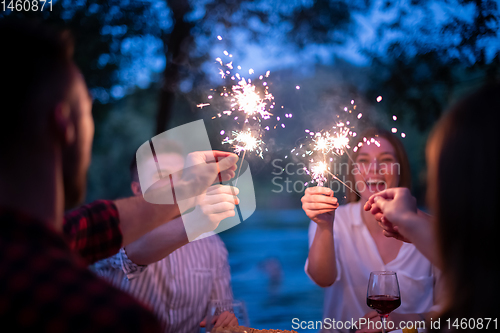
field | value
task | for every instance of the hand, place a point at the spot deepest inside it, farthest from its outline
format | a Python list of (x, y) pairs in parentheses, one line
[(211, 208), (319, 204), (390, 230), (391, 208), (204, 168), (374, 317), (201, 169), (225, 319)]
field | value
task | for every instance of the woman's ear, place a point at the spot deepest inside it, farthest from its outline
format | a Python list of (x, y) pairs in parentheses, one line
[(63, 123)]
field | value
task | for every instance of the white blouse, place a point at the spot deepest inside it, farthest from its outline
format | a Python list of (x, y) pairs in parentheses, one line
[(357, 255)]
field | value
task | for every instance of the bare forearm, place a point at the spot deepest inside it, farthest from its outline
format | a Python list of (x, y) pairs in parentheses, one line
[(322, 264), (419, 230), (138, 217), (158, 243)]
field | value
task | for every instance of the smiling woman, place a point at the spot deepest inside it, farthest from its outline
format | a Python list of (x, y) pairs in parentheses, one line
[(346, 243), (380, 162)]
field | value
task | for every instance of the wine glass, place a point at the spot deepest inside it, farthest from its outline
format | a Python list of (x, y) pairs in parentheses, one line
[(216, 307), (383, 294)]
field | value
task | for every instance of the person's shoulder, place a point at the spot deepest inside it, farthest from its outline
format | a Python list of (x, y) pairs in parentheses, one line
[(95, 293), (214, 246), (76, 290)]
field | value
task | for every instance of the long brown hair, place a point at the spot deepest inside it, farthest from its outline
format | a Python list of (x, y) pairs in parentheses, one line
[(402, 158), (463, 156)]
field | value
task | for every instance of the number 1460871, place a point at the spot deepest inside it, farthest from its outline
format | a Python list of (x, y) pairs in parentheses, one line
[(26, 5)]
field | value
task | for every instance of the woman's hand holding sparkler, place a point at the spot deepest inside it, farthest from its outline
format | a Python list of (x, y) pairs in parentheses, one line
[(319, 204)]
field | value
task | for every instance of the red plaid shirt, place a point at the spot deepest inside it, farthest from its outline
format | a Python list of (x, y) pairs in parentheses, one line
[(46, 287), (93, 230)]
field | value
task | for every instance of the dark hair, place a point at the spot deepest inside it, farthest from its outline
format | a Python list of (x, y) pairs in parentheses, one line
[(463, 155), (402, 158), (171, 147), (35, 60)]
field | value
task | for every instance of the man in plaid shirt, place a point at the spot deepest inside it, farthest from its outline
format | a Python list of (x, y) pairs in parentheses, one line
[(46, 135)]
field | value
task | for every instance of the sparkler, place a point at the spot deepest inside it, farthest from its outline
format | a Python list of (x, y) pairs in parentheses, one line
[(243, 141), (247, 102), (324, 143), (334, 141), (318, 171)]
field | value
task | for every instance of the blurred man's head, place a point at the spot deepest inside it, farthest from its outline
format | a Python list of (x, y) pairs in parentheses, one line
[(46, 108), (168, 162)]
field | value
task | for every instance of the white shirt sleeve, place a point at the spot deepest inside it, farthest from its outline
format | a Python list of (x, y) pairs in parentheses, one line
[(119, 261)]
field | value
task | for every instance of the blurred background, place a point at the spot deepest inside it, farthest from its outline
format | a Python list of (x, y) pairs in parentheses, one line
[(149, 64)]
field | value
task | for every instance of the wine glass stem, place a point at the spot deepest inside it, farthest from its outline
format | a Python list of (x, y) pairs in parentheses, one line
[(383, 318)]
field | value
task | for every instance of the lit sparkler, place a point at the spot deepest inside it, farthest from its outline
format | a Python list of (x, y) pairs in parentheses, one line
[(247, 102), (245, 141), (338, 142), (318, 171)]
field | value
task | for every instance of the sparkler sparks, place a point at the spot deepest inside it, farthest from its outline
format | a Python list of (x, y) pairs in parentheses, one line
[(249, 101), (337, 142), (318, 171), (245, 141), (246, 102)]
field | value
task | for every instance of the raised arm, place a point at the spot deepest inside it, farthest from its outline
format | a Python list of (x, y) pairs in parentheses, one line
[(218, 204), (319, 204), (397, 213), (99, 229), (138, 217)]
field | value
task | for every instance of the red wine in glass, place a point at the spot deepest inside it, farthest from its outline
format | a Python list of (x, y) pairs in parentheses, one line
[(383, 304), (383, 294)]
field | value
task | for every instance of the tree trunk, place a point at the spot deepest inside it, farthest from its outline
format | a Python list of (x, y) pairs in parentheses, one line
[(177, 46)]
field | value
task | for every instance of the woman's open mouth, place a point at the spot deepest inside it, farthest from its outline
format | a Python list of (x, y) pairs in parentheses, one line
[(376, 185)]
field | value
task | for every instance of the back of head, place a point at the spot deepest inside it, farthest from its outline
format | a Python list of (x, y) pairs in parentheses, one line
[(463, 192), (35, 61)]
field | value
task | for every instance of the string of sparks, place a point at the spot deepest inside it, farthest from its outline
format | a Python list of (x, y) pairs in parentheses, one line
[(249, 104)]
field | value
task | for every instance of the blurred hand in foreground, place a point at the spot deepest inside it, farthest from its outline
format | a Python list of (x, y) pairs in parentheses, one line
[(225, 319)]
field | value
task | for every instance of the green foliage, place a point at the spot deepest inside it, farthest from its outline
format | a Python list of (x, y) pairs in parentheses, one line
[(419, 62), (99, 28)]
